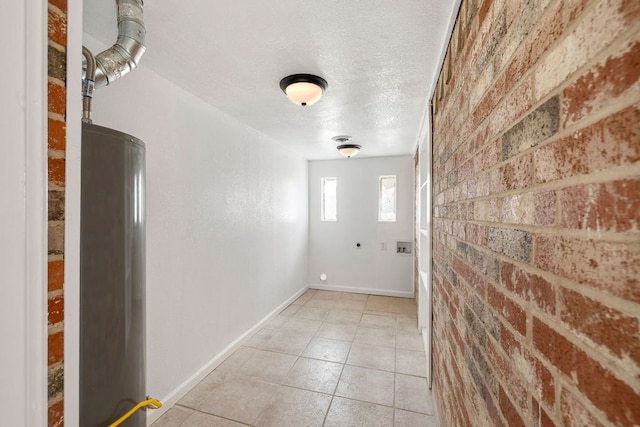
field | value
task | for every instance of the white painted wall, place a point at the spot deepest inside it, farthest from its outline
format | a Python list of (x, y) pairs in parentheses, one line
[(227, 222), (23, 248), (332, 245)]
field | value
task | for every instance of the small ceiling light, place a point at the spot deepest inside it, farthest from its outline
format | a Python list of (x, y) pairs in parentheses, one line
[(303, 89), (347, 150)]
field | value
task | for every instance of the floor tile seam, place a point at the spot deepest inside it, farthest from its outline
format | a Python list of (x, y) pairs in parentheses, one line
[(384, 370), (328, 409), (411, 375), (302, 356), (415, 412), (365, 401), (332, 339), (279, 382), (300, 389), (210, 414), (369, 367), (272, 351)]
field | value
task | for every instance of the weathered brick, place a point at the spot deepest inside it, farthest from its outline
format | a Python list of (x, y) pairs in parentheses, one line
[(56, 237), (56, 140), (57, 134), (617, 76), (539, 40), (539, 416), (57, 98), (492, 147), (481, 388), (610, 206), (56, 171), (492, 154), (574, 413), (497, 32), (529, 287), (573, 8), (541, 124), (57, 64), (544, 205), (595, 31), (55, 276), (56, 347), (613, 141), (491, 322), (56, 309), (484, 262), (483, 11), (477, 234), (517, 209), (507, 308), (55, 414), (475, 326), (57, 24), (540, 379), (489, 101), (55, 377), (458, 229), (478, 186), (465, 171), (604, 325), (56, 205), (485, 370), (509, 411), (515, 174), (515, 244), (503, 365), (515, 104), (611, 395), (60, 4), (607, 266)]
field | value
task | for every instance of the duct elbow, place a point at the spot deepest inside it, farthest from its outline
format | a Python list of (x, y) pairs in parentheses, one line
[(124, 56)]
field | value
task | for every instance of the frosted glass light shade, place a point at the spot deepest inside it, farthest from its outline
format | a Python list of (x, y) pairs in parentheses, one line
[(303, 93), (303, 89), (349, 150)]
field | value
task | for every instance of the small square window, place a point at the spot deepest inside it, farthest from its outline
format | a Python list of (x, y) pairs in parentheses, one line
[(329, 193), (387, 198)]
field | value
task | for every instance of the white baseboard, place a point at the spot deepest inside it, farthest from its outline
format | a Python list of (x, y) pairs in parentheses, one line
[(388, 293), (178, 393)]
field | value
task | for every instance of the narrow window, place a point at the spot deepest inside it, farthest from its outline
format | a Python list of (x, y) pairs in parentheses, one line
[(329, 204), (387, 198)]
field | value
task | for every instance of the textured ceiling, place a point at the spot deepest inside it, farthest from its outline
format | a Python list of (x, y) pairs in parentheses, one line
[(380, 58)]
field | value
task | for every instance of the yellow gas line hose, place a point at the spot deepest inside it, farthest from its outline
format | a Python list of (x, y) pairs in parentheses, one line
[(150, 403)]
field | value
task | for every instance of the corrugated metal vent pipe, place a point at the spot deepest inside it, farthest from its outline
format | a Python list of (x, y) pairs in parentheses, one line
[(119, 59), (125, 54)]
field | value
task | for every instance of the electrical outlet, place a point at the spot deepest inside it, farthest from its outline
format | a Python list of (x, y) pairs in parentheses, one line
[(383, 246)]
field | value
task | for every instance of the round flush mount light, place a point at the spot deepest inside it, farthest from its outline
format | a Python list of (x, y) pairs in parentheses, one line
[(303, 89), (347, 150)]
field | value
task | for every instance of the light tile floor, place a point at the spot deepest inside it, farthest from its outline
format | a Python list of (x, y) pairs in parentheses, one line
[(328, 359)]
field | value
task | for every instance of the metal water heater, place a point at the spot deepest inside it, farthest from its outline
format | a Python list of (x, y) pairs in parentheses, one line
[(112, 277)]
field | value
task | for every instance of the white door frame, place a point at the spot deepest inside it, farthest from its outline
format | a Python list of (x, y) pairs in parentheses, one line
[(424, 238), (23, 217)]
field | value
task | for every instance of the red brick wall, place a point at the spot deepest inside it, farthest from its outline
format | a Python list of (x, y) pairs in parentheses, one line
[(57, 92), (536, 230)]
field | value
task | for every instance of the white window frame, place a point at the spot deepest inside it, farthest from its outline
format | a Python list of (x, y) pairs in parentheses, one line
[(395, 198), (323, 181)]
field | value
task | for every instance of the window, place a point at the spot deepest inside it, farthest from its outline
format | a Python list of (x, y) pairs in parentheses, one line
[(387, 198), (329, 196)]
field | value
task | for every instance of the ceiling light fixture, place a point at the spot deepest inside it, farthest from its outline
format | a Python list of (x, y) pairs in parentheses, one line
[(347, 150), (303, 89)]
